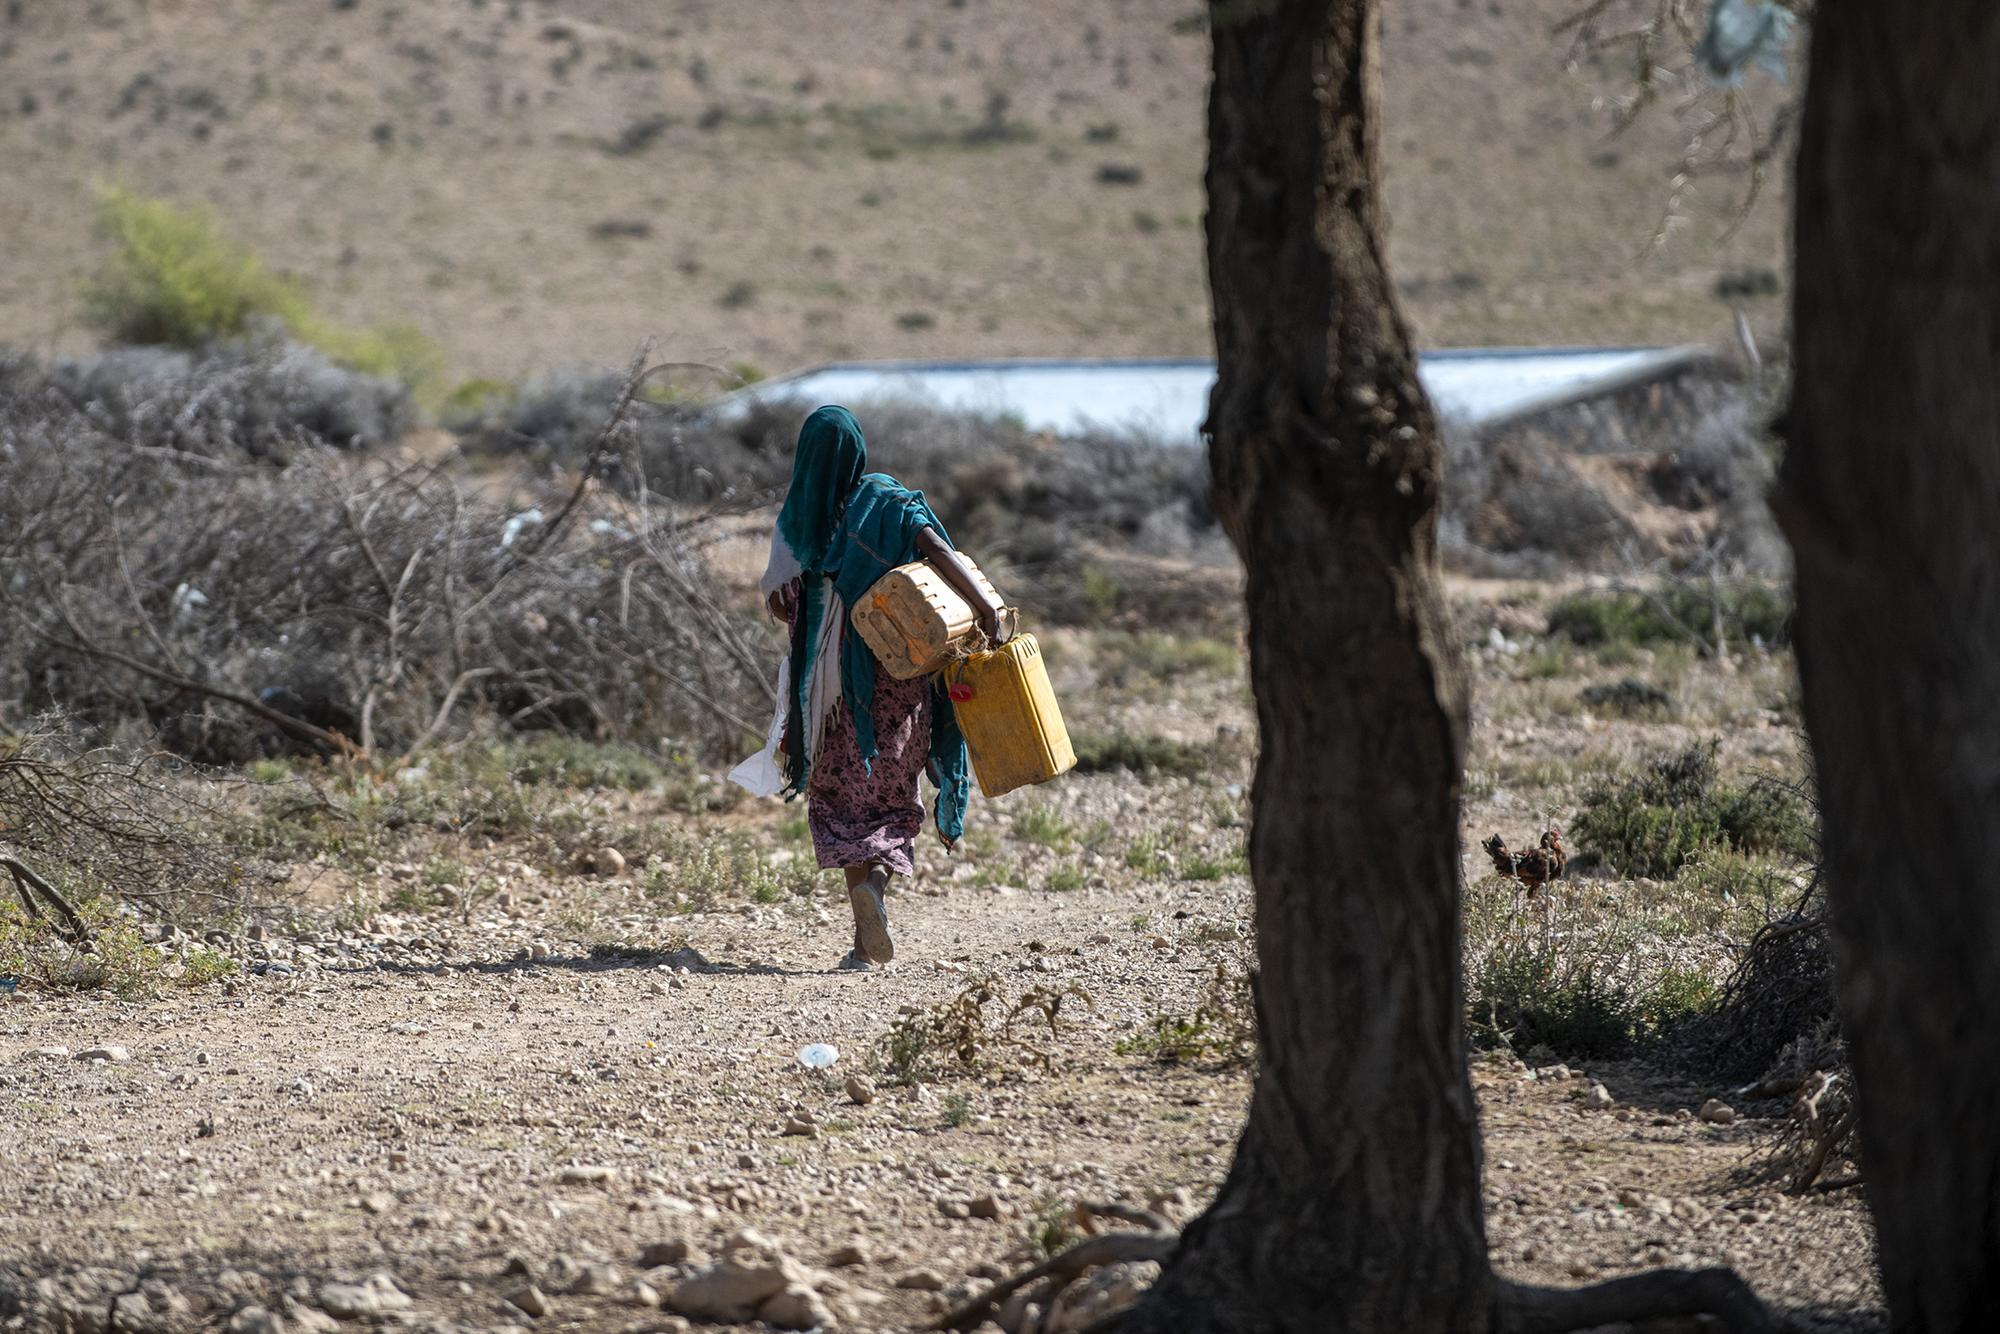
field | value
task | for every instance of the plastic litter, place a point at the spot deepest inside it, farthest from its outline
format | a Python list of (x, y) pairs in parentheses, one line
[(818, 1056), (1742, 33), (515, 526)]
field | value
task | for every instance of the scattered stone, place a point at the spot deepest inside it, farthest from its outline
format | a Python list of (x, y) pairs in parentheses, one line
[(379, 1202), (644, 1294), (105, 1055), (588, 1175), (802, 1126), (50, 1053), (519, 1266), (596, 1281), (308, 1319), (736, 1286), (674, 1252), (796, 1307), (357, 1301), (256, 1320), (921, 1280), (954, 1208), (1599, 1098), (608, 862), (537, 952), (531, 1301), (1162, 943), (853, 1254), (860, 1091), (1553, 1072), (989, 1206), (1717, 1112)]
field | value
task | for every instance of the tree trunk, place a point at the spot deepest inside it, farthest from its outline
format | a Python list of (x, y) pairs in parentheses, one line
[(1890, 495), (1354, 1200)]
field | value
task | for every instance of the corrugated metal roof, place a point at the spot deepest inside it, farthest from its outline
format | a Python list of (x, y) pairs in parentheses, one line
[(1167, 398)]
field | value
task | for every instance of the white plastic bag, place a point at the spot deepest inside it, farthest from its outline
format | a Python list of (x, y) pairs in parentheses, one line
[(761, 775)]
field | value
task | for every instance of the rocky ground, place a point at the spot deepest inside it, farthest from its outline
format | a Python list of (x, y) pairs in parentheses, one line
[(577, 1099)]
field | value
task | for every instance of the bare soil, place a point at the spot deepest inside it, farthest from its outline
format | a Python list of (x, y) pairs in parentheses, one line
[(541, 182), (419, 1096)]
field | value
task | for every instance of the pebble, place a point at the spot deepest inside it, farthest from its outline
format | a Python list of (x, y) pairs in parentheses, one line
[(608, 862), (802, 1126), (854, 1253), (256, 1320), (355, 1301), (380, 1202), (921, 1280), (596, 1281), (989, 1206), (107, 1055), (588, 1175), (537, 952), (672, 1252), (530, 1301), (795, 1307), (644, 1294), (1598, 1098), (1717, 1112), (860, 1091)]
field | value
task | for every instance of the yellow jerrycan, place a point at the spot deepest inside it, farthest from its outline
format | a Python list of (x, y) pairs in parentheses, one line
[(1007, 710)]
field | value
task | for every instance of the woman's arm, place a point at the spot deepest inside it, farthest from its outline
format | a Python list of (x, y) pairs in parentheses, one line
[(956, 573)]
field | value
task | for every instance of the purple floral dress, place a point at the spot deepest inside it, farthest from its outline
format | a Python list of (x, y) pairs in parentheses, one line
[(859, 817)]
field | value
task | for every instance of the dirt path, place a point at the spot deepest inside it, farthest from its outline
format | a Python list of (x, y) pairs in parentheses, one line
[(436, 1111)]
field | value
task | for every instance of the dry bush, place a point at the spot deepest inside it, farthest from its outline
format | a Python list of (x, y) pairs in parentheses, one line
[(1517, 506), (1084, 528), (102, 825), (960, 1036), (344, 604), (260, 399)]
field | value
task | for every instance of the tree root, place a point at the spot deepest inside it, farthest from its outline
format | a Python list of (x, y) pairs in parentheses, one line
[(1109, 1249), (28, 884), (1658, 1294)]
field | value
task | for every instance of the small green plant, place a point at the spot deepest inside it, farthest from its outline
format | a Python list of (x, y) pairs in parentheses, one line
[(1065, 878), (957, 1111), (1040, 824), (1052, 1230), (119, 959)]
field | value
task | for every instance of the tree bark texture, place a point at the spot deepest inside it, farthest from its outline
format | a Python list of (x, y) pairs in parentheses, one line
[(1354, 1199), (1890, 495)]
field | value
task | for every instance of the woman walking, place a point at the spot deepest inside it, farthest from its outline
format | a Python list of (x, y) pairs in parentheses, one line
[(855, 739)]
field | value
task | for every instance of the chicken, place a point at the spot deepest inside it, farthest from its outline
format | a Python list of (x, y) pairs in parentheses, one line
[(1535, 867)]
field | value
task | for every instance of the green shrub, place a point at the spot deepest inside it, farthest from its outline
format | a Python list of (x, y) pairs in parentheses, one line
[(175, 277), (1676, 808), (1523, 995), (1674, 609), (1108, 752)]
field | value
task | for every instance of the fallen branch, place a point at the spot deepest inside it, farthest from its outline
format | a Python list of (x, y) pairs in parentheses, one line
[(298, 727), (28, 884), (1110, 1249)]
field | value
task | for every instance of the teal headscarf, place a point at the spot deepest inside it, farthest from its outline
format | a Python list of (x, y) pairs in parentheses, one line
[(854, 527)]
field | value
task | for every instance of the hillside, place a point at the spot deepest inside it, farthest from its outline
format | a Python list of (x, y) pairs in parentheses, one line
[(537, 182)]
